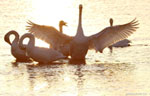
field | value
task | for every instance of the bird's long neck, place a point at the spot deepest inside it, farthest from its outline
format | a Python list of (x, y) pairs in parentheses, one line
[(16, 39), (61, 28), (31, 42), (80, 16), (80, 30)]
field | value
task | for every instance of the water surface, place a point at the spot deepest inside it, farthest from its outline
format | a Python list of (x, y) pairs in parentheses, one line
[(125, 72)]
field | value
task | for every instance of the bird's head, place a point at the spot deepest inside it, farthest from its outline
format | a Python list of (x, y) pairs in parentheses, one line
[(111, 21), (80, 6), (23, 47), (6, 38), (62, 23)]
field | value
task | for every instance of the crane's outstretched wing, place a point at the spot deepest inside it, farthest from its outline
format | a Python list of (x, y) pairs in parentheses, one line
[(113, 34), (48, 34)]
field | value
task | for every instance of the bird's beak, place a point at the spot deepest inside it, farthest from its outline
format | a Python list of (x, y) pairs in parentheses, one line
[(23, 47), (65, 24)]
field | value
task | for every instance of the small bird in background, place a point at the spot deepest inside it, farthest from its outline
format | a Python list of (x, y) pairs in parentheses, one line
[(122, 43)]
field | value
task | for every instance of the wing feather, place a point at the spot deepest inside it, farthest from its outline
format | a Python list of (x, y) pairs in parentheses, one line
[(113, 34), (48, 34)]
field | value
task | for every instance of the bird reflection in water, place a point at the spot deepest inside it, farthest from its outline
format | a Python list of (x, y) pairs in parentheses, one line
[(60, 78), (79, 61), (80, 80)]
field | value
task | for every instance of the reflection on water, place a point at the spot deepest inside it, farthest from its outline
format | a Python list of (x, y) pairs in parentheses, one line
[(74, 80), (94, 79), (125, 72)]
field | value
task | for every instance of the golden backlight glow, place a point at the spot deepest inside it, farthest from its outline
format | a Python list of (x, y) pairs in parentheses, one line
[(125, 72), (50, 12), (38, 43), (41, 43)]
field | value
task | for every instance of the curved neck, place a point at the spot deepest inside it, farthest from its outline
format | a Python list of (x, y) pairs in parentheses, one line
[(61, 28), (80, 30), (7, 37), (31, 42), (16, 37)]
